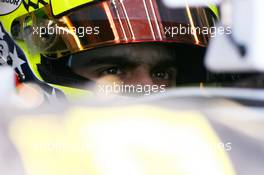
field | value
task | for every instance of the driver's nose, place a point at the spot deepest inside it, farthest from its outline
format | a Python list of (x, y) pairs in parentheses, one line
[(139, 76)]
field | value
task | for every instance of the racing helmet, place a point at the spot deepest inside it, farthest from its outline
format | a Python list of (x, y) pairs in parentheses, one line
[(51, 32)]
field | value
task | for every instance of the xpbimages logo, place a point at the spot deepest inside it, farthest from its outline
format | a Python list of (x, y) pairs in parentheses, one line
[(121, 88), (175, 31), (57, 30), (8, 6)]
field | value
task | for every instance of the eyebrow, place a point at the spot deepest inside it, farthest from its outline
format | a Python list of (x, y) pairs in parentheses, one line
[(122, 58), (125, 62), (110, 60), (165, 63)]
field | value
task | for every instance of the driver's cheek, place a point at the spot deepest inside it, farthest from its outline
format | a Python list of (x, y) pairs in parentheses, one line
[(171, 82), (108, 80), (166, 83)]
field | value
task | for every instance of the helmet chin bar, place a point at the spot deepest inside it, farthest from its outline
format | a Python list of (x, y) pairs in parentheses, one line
[(242, 51)]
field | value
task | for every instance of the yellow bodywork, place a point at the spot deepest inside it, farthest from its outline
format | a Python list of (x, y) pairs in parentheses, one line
[(137, 140)]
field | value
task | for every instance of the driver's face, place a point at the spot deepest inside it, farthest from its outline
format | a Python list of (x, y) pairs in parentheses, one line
[(135, 64)]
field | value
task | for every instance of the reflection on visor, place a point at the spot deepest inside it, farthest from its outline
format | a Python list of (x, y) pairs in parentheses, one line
[(114, 22)]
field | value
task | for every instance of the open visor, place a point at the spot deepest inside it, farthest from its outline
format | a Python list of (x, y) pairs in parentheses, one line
[(113, 22)]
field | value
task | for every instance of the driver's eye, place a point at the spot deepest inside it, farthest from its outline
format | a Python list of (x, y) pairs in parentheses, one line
[(111, 71), (161, 75)]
